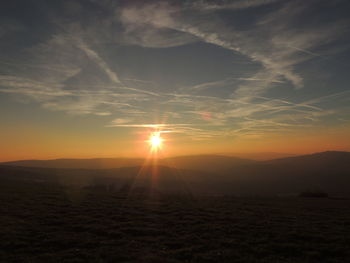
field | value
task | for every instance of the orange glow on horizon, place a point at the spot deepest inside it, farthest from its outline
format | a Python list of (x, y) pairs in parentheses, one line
[(27, 142)]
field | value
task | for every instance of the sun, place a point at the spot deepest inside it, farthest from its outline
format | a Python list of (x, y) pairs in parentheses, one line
[(155, 141)]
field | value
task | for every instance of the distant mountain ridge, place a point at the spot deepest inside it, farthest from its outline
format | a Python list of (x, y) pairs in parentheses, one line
[(326, 171), (94, 163), (261, 156), (212, 163), (319, 156)]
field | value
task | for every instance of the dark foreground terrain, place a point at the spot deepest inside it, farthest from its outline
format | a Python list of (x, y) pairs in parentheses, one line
[(51, 223)]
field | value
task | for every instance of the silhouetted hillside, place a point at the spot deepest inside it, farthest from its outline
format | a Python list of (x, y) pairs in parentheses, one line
[(149, 178), (261, 156), (328, 172), (207, 163), (96, 163)]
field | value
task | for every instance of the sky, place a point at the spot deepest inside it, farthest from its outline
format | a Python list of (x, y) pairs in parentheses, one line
[(94, 78)]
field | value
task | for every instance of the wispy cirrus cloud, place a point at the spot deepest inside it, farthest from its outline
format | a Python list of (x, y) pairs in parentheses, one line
[(93, 55), (234, 5), (273, 41), (80, 69)]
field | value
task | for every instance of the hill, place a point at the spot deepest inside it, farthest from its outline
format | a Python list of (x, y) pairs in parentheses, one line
[(95, 163), (327, 171), (145, 179), (159, 214), (207, 163)]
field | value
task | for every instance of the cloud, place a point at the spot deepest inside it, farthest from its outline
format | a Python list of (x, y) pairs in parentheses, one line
[(273, 41), (193, 132), (258, 114), (154, 37), (155, 126), (147, 25), (76, 68), (212, 84), (119, 121), (158, 14), (99, 61), (234, 5)]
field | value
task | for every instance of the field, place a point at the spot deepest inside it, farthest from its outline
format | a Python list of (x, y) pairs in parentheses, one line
[(50, 223)]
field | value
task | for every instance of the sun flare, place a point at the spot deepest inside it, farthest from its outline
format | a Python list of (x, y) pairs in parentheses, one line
[(155, 141)]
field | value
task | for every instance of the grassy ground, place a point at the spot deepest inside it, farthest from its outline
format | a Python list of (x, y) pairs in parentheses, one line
[(41, 223)]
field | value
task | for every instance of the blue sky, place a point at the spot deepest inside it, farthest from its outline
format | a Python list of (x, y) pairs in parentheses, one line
[(204, 69)]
